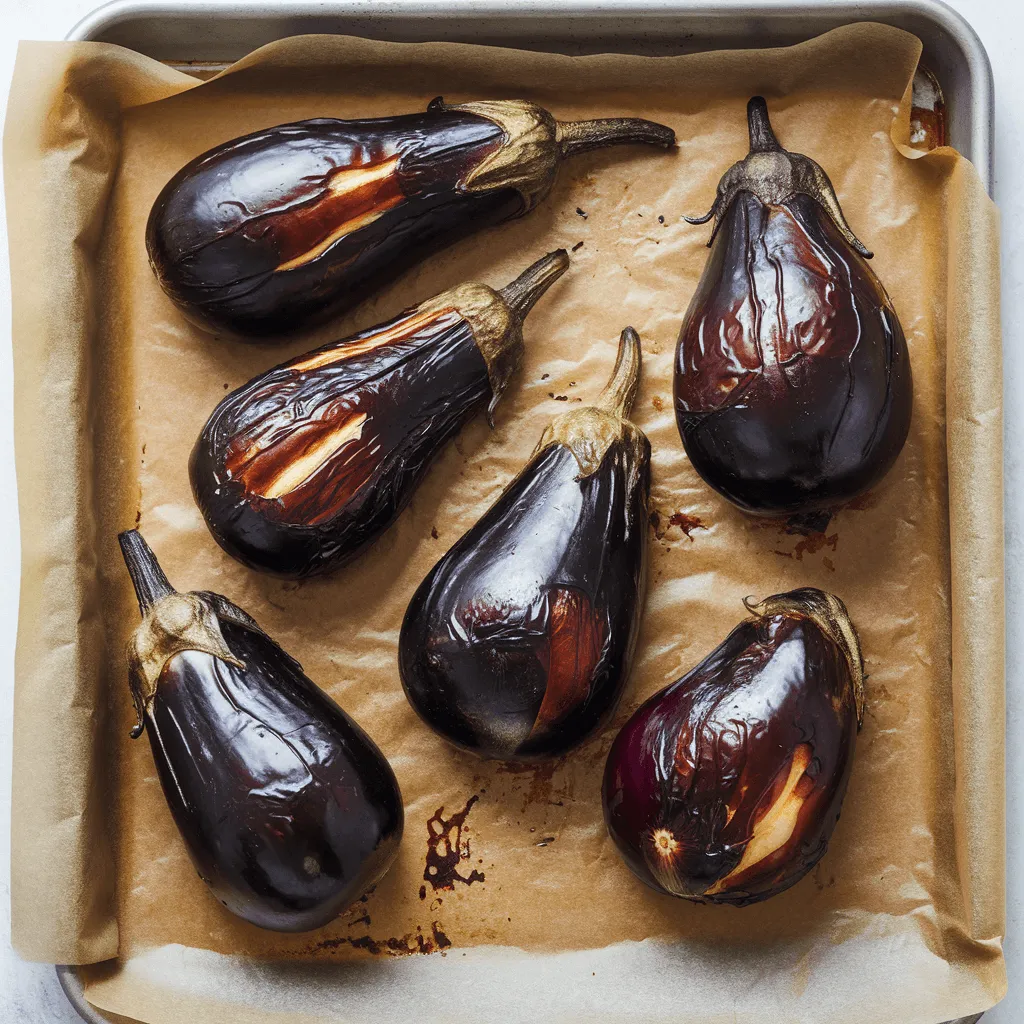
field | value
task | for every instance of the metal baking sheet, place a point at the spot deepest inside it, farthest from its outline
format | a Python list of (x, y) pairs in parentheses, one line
[(204, 35)]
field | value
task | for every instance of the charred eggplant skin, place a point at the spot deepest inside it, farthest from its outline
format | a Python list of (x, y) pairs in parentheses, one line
[(726, 786), (288, 809), (518, 643), (302, 468), (804, 400), (286, 227)]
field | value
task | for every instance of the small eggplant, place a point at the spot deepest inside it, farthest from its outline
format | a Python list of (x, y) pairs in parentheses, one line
[(518, 643), (300, 469), (725, 786), (288, 809), (288, 226), (793, 390)]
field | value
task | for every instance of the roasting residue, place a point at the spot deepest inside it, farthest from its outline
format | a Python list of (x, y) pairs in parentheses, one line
[(446, 847)]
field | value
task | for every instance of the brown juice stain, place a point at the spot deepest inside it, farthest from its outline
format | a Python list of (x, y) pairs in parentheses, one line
[(535, 783), (446, 848), (662, 522), (811, 544), (407, 945)]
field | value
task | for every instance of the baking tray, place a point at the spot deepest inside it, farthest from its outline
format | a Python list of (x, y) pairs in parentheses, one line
[(203, 36)]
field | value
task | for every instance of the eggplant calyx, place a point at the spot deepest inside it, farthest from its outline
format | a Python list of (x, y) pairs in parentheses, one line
[(526, 161), (589, 432), (774, 175), (535, 143), (495, 316), (830, 615), (173, 624)]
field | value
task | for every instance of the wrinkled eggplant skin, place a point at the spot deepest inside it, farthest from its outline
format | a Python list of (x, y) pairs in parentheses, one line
[(415, 380), (793, 388), (226, 227), (706, 758), (289, 810), (518, 643), (416, 389)]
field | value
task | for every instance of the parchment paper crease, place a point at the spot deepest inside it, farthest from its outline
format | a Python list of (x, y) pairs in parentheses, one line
[(902, 919)]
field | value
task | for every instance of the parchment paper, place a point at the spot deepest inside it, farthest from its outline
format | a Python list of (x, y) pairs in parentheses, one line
[(114, 385)]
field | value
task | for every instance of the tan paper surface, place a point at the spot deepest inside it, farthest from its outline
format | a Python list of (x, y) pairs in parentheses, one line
[(114, 385)]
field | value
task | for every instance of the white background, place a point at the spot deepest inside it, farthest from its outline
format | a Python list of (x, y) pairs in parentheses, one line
[(29, 993)]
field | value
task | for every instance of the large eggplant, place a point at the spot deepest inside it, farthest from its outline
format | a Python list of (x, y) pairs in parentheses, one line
[(299, 470), (793, 390), (288, 809), (725, 786), (518, 643), (290, 225)]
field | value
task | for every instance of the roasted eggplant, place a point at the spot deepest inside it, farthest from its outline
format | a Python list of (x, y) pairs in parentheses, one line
[(288, 809), (793, 389), (288, 226), (725, 786), (518, 643), (299, 470)]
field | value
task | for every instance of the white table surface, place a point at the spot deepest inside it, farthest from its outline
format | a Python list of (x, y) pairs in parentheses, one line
[(29, 993)]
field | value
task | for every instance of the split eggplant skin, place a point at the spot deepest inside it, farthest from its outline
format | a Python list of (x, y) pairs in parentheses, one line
[(426, 384), (286, 227), (237, 237), (288, 809), (302, 468), (518, 643), (537, 659), (726, 786), (793, 390)]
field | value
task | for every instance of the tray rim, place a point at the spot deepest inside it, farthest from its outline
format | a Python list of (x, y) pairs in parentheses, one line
[(820, 15), (956, 28)]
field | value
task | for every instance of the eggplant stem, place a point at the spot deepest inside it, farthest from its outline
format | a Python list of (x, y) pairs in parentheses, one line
[(762, 138), (581, 136), (147, 577), (533, 282), (620, 391)]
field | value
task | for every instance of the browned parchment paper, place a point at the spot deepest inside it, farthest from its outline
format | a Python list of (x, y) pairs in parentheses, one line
[(114, 385)]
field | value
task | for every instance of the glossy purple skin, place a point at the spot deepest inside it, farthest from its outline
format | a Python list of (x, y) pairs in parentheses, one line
[(289, 810), (225, 232), (518, 643), (793, 391), (777, 688)]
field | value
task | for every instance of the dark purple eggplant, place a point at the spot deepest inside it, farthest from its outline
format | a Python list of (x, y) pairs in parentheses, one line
[(725, 786), (288, 226), (793, 389), (302, 468), (288, 809), (518, 643)]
